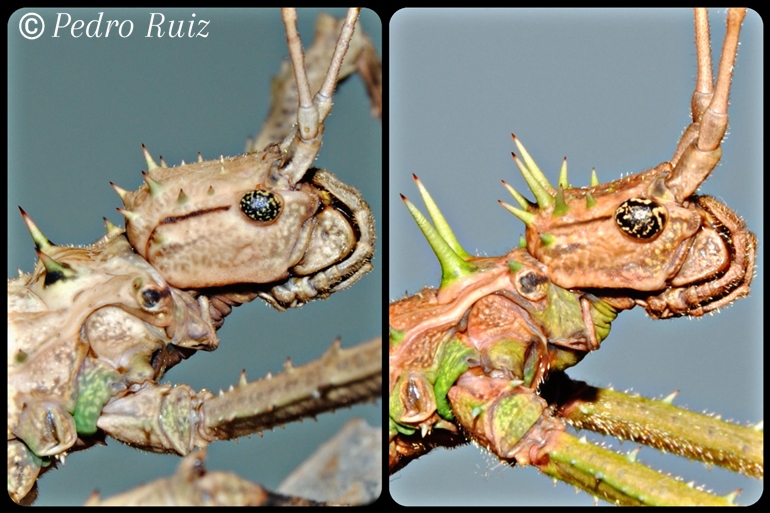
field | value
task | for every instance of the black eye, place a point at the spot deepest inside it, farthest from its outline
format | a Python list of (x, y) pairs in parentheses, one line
[(261, 206), (641, 218), (532, 285), (150, 298)]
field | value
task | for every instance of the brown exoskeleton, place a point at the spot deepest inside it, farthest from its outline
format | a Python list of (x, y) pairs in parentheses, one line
[(268, 216), (649, 232), (609, 90), (221, 101)]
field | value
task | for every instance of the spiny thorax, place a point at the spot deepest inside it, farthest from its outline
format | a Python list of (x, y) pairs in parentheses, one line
[(557, 310), (500, 314)]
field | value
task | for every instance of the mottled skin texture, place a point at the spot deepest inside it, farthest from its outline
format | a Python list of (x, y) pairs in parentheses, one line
[(610, 258), (651, 358), (488, 339), (312, 239), (314, 235), (481, 373), (208, 230), (126, 343), (110, 320), (649, 232), (673, 257)]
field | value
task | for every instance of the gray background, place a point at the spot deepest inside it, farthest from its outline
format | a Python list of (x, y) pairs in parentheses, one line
[(610, 90), (79, 109)]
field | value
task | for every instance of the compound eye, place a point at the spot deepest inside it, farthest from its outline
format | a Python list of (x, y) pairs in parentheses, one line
[(532, 285), (150, 298), (261, 206), (641, 218)]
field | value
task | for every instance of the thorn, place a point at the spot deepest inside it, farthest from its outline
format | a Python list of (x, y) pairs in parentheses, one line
[(531, 165), (336, 347), (669, 399), (120, 190), (162, 162), (759, 426), (525, 217), (111, 228), (453, 266), (210, 192), (594, 178), (269, 375), (54, 271), (40, 240), (730, 497), (130, 216), (156, 188), (522, 243), (563, 181), (200, 157), (242, 381), (148, 159), (542, 196), (547, 239), (590, 201), (287, 366), (182, 198), (561, 206), (183, 163), (158, 239), (521, 200), (440, 223), (583, 439), (631, 456)]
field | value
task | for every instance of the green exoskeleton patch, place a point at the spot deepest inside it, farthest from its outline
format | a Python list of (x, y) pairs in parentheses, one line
[(488, 337), (93, 329), (104, 320), (526, 315)]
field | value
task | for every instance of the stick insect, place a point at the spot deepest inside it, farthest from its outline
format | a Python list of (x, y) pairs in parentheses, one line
[(80, 108), (610, 90)]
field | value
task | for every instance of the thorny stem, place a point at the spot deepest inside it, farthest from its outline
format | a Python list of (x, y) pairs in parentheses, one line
[(604, 473), (659, 424), (341, 377), (615, 477)]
